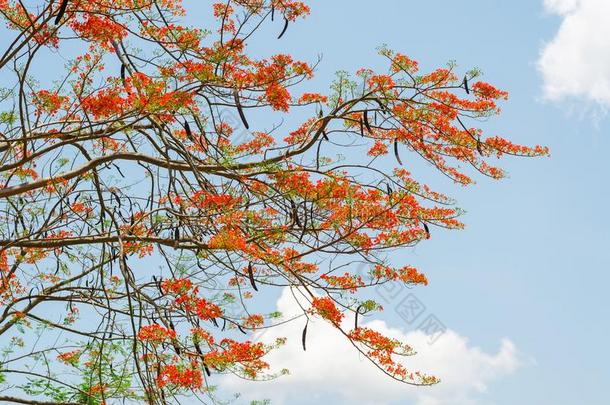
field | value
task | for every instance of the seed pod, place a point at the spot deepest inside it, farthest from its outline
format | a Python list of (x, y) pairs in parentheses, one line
[(160, 286), (356, 317), (304, 336), (361, 127), (123, 73), (295, 214), (366, 121), (241, 329), (62, 11), (396, 152), (189, 133), (272, 12), (466, 85), (325, 135), (116, 197), (427, 230), (479, 147), (304, 223), (284, 29), (197, 348), (239, 109), (118, 169), (251, 276)]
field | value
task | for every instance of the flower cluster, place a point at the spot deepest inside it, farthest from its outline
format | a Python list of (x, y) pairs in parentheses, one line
[(70, 358), (246, 355), (345, 282), (156, 333), (181, 376), (406, 274), (186, 298), (382, 349), (327, 309)]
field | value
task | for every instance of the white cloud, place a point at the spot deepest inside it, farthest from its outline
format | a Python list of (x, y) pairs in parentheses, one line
[(561, 6), (331, 367), (576, 62)]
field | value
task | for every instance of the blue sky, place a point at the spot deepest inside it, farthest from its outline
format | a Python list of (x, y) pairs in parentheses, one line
[(532, 265)]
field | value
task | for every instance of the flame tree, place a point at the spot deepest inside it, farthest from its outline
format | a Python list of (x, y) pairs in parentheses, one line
[(138, 208)]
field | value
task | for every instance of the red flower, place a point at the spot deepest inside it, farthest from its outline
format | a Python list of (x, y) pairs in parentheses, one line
[(326, 308), (180, 376), (155, 333)]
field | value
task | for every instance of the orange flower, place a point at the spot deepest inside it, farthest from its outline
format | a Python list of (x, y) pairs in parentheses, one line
[(180, 376), (326, 308), (70, 358), (307, 98), (246, 354), (345, 282), (406, 274), (155, 333)]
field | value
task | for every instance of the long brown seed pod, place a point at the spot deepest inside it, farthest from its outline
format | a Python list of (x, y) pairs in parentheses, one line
[(304, 336), (251, 276), (396, 152), (304, 222), (187, 128), (62, 11), (240, 109), (197, 348), (356, 317), (366, 121), (479, 147), (295, 214), (123, 73), (284, 29)]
